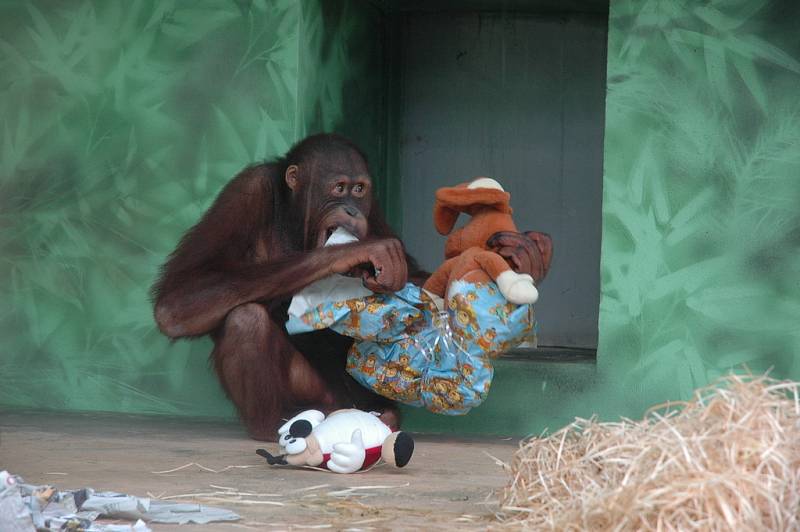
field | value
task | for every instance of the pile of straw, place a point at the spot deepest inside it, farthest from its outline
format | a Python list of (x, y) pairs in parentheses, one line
[(727, 460)]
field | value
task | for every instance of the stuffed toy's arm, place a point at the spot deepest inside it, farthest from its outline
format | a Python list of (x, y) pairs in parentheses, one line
[(438, 281), (348, 457), (517, 288), (492, 263)]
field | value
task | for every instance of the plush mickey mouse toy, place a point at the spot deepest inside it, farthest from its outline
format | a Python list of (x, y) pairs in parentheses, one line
[(345, 442)]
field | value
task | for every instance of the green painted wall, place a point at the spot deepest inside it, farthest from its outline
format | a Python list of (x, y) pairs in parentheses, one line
[(120, 123), (122, 120), (701, 216)]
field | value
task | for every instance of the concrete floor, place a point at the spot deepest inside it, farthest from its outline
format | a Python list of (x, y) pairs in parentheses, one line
[(449, 484)]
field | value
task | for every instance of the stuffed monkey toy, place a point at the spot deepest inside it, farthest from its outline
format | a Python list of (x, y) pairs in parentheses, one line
[(467, 257)]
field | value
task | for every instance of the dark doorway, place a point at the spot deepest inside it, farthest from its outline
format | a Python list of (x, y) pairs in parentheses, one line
[(518, 95)]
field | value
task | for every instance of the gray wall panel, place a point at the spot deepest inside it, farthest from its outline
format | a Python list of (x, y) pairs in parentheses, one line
[(519, 98)]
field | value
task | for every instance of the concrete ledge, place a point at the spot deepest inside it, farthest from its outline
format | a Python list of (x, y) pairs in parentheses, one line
[(533, 390)]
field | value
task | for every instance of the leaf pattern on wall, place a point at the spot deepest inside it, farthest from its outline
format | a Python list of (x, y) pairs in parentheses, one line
[(701, 225), (120, 123)]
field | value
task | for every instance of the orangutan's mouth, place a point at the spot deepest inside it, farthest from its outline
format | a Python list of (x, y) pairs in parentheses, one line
[(325, 235), (336, 222), (329, 231)]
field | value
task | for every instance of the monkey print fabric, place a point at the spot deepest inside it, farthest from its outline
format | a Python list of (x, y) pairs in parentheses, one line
[(405, 351)]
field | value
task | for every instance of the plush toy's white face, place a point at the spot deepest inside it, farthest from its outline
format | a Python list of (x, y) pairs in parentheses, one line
[(295, 444), (292, 434)]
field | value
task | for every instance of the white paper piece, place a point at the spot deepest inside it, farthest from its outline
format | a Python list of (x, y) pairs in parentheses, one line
[(117, 505), (86, 505), (15, 516), (121, 506), (334, 288)]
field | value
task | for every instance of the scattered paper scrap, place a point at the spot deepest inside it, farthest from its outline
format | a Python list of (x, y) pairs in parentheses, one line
[(28, 508)]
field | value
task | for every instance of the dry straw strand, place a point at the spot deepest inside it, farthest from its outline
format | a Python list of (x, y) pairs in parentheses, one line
[(727, 460)]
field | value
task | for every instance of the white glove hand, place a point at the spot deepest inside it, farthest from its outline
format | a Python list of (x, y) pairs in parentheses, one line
[(348, 457)]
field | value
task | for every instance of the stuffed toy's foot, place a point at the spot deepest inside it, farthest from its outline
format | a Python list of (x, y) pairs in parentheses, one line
[(397, 448), (517, 288)]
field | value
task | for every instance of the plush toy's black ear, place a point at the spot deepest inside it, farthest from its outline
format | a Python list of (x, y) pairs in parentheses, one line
[(300, 429)]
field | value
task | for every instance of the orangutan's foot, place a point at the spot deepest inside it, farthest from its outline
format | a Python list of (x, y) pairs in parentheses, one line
[(391, 417)]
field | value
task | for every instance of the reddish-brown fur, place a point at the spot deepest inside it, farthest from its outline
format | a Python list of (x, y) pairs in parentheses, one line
[(233, 274)]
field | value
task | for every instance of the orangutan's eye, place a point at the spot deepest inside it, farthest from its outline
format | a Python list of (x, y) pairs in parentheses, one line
[(358, 189), (339, 188)]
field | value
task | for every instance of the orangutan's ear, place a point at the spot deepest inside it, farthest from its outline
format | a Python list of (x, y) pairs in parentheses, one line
[(291, 176)]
